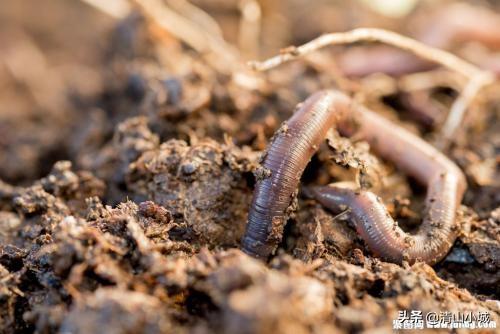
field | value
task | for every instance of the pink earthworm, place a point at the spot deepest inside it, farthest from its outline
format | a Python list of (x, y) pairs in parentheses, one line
[(449, 25), (298, 139)]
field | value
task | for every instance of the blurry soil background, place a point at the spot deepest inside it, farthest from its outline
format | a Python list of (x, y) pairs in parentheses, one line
[(127, 152)]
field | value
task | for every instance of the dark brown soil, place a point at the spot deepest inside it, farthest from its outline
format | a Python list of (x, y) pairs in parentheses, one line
[(127, 168)]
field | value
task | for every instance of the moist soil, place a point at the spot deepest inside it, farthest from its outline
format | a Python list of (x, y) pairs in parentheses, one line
[(127, 165)]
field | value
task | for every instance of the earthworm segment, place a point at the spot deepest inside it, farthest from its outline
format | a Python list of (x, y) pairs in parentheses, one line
[(298, 139), (290, 150)]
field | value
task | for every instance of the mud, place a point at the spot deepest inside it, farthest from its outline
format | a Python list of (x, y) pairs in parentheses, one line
[(128, 162)]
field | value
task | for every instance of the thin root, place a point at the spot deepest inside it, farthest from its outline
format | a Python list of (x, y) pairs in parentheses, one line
[(459, 107), (117, 9), (219, 53), (374, 35), (249, 30), (477, 78)]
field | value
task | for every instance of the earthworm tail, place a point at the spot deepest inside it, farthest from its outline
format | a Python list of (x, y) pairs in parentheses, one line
[(445, 187), (382, 234), (296, 142)]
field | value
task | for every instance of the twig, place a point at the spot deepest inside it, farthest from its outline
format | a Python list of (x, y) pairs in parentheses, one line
[(114, 8), (249, 30), (341, 214), (204, 36), (460, 105), (374, 35), (477, 77), (224, 56), (196, 15)]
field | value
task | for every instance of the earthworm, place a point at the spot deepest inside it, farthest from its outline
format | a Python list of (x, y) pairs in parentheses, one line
[(297, 140), (447, 26)]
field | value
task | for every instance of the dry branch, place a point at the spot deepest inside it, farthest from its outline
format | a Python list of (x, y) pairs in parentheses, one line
[(477, 77)]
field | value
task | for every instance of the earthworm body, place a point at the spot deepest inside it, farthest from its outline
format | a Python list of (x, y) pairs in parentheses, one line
[(297, 140), (452, 24)]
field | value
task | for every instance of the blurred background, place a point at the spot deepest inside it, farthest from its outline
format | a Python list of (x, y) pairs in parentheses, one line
[(102, 83), (63, 64)]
